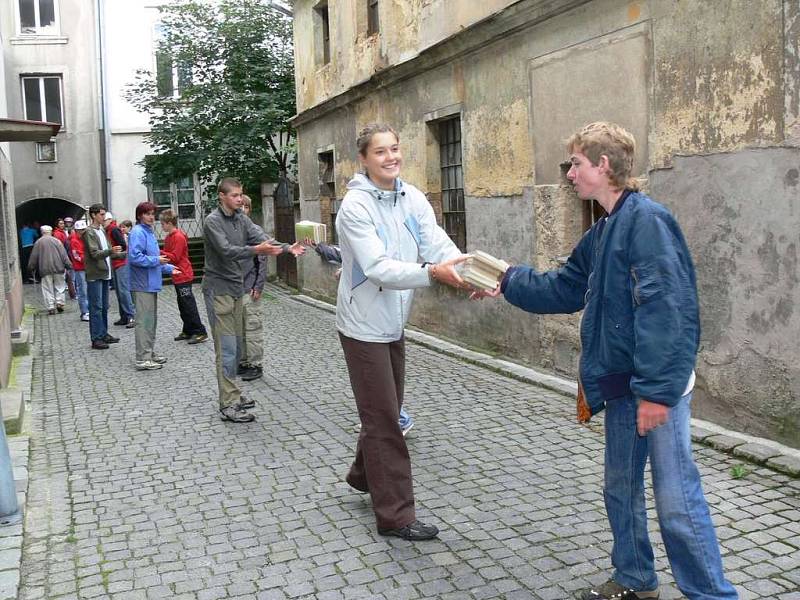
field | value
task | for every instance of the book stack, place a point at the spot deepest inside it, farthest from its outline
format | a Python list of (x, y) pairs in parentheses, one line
[(483, 271), (316, 232)]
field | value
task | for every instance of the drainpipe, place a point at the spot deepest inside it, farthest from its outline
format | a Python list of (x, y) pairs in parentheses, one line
[(9, 509), (105, 159)]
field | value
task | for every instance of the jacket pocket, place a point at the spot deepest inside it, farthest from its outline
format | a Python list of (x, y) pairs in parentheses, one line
[(615, 385), (648, 282), (223, 305)]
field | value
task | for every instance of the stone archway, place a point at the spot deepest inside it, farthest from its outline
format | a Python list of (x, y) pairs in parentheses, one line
[(45, 211)]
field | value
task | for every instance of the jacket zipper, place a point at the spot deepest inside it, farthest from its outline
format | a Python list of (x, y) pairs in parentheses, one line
[(636, 299)]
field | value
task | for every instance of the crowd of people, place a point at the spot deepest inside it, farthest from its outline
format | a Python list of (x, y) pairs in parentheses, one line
[(631, 274)]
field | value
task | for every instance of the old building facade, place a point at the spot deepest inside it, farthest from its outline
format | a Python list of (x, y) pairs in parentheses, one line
[(483, 95)]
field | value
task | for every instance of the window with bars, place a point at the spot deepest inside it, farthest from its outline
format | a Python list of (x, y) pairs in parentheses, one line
[(38, 17), (373, 20), (453, 215), (322, 33), (41, 98)]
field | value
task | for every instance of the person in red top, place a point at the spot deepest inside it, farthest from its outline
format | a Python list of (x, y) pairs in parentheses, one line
[(61, 233), (76, 252), (176, 249)]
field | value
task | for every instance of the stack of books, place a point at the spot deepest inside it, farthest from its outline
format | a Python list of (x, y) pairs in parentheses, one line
[(316, 232), (483, 271)]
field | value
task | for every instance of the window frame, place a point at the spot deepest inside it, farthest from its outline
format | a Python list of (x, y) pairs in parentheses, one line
[(322, 33), (178, 79), (43, 96), (39, 158), (39, 31), (451, 172), (373, 17), (173, 189)]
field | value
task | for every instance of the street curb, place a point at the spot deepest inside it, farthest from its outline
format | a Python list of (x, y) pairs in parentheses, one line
[(749, 448)]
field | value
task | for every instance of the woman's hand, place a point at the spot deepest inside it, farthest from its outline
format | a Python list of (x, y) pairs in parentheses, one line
[(445, 273), (478, 294), (297, 249)]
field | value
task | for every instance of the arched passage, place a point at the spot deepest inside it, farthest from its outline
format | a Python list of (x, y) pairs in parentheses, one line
[(45, 211)]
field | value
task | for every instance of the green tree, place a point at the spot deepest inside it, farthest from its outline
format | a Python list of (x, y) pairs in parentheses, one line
[(223, 93)]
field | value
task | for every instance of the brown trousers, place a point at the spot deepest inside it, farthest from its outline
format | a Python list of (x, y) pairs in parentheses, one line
[(382, 465)]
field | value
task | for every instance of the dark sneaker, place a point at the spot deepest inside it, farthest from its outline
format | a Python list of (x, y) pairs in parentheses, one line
[(51, 311), (121, 321), (413, 532), (242, 368), (181, 336), (110, 339), (246, 403), (252, 373), (198, 339), (611, 590), (99, 345), (60, 307), (131, 324), (235, 414)]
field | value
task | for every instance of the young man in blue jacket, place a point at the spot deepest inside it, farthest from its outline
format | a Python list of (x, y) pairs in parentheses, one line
[(632, 274)]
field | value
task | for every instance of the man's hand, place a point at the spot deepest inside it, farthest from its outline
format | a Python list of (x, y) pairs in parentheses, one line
[(116, 249), (267, 249), (445, 273), (255, 294), (163, 259), (478, 294), (650, 415), (176, 271), (297, 249)]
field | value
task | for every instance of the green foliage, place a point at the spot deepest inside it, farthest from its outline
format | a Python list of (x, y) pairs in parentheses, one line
[(231, 62), (739, 471)]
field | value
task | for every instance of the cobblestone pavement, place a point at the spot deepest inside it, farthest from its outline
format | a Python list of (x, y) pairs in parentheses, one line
[(138, 490)]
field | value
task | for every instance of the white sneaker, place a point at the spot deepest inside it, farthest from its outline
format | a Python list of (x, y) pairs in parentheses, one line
[(159, 359), (147, 365), (85, 317)]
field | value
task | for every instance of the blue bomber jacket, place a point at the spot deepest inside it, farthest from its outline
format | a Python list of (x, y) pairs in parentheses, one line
[(632, 274)]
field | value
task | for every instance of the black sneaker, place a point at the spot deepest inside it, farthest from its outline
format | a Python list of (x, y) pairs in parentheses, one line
[(234, 414), (611, 590), (181, 336), (198, 339), (110, 339), (246, 403), (251, 373), (414, 532), (242, 368), (99, 345), (121, 321), (131, 324)]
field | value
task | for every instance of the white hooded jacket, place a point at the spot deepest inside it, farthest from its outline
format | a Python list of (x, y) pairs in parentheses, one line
[(383, 236)]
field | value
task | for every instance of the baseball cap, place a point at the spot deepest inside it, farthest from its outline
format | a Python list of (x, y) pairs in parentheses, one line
[(109, 216), (69, 220), (80, 224)]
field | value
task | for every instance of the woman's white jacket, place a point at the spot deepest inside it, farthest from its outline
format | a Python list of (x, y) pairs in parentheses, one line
[(384, 236)]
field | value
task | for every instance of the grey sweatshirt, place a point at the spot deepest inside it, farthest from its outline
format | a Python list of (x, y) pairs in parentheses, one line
[(228, 242), (48, 257)]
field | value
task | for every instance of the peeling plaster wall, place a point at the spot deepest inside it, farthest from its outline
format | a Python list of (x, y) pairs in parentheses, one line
[(726, 98), (740, 213)]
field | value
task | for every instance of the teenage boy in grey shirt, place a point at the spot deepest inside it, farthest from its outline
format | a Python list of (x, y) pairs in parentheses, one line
[(230, 237)]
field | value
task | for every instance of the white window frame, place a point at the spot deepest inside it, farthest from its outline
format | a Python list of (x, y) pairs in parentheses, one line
[(39, 158), (55, 30), (43, 104), (175, 82)]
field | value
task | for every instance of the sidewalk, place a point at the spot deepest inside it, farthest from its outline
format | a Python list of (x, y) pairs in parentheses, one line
[(138, 490)]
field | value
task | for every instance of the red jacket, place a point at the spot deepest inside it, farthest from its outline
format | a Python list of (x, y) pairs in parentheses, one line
[(76, 251), (176, 249), (116, 238), (61, 235)]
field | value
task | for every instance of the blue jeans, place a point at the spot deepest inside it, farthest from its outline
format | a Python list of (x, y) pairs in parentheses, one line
[(683, 514), (122, 287), (80, 290), (98, 308)]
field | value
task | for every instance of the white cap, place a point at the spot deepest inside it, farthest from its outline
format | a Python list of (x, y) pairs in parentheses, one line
[(80, 224), (44, 228), (109, 216)]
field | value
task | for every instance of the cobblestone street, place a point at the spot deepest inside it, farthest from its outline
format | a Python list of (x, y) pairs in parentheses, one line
[(138, 490)]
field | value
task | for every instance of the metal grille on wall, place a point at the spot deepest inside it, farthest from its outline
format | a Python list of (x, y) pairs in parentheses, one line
[(453, 215)]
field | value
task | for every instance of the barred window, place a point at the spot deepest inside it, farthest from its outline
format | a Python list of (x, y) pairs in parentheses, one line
[(453, 215)]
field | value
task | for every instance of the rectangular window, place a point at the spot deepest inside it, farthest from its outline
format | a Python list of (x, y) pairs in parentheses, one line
[(453, 215), (373, 22), (37, 17), (41, 98), (327, 190), (592, 213), (322, 33), (46, 152), (184, 192), (161, 194), (172, 77)]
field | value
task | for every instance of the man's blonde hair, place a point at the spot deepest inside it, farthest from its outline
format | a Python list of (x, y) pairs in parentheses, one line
[(609, 139)]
